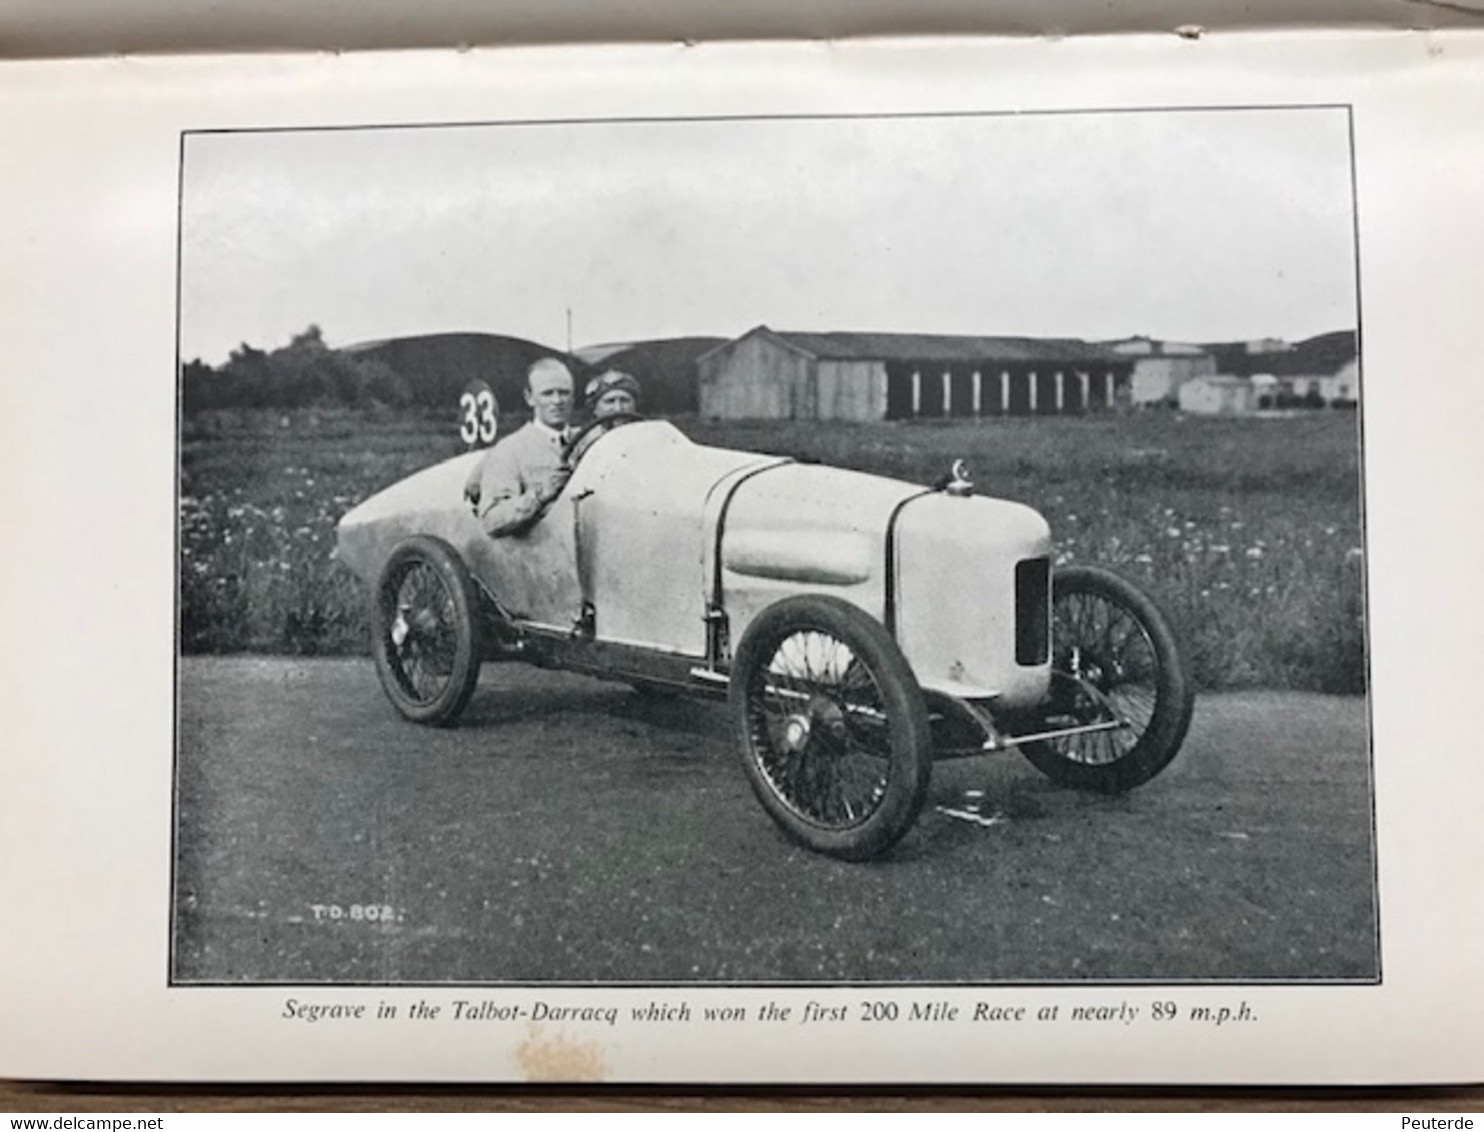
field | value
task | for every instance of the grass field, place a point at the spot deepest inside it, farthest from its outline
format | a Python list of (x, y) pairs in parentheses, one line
[(1247, 531)]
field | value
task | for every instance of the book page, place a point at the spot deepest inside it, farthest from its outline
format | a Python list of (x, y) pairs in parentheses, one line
[(1024, 640)]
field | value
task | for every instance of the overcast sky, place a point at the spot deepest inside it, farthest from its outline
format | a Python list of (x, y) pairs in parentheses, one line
[(1207, 225)]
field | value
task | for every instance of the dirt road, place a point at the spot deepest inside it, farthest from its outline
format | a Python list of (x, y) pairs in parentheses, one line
[(573, 831)]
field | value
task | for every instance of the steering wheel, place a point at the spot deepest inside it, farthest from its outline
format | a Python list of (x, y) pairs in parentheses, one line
[(588, 434)]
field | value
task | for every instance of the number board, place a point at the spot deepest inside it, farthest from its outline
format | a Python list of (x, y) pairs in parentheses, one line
[(479, 415)]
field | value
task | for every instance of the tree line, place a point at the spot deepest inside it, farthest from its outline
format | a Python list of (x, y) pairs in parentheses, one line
[(305, 373)]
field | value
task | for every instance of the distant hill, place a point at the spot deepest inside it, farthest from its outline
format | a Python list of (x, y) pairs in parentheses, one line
[(594, 354), (665, 367), (1323, 353), (436, 367)]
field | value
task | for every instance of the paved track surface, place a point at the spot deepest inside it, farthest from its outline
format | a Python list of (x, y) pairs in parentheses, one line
[(573, 831)]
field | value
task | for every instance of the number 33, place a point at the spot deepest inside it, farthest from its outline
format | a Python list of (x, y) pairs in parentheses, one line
[(477, 423)]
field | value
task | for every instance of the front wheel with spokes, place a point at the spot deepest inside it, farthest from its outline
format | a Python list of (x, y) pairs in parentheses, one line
[(1114, 661), (426, 631), (832, 726)]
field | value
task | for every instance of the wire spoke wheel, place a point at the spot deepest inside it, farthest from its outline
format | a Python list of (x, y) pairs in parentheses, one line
[(1113, 676), (820, 730), (426, 631), (832, 726), (1114, 660)]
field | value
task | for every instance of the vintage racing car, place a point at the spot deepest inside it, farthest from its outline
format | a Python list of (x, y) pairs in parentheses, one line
[(859, 626)]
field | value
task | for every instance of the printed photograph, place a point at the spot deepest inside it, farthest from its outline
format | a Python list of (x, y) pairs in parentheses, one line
[(817, 551)]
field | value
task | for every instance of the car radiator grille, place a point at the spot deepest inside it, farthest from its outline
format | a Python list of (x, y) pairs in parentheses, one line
[(1032, 611)]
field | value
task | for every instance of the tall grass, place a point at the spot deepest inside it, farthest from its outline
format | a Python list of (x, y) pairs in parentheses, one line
[(1247, 531), (261, 492)]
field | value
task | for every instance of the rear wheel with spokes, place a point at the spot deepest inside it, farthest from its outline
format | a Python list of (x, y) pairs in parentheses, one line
[(426, 631), (1114, 660), (832, 726)]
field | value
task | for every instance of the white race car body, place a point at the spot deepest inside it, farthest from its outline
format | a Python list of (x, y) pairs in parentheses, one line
[(662, 540)]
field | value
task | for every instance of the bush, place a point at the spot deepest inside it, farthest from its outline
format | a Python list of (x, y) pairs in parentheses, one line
[(304, 373)]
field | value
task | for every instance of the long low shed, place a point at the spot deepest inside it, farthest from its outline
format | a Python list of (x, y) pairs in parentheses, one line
[(782, 375)]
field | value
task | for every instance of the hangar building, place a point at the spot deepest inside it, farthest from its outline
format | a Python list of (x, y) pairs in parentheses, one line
[(840, 375)]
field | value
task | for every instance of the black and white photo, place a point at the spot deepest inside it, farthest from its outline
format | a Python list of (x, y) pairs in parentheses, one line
[(990, 484)]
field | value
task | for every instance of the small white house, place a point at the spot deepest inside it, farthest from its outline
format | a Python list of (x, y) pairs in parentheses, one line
[(1343, 387), (1218, 395), (1161, 368)]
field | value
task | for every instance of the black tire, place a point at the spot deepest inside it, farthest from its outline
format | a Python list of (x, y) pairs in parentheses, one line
[(832, 727), (427, 634), (1111, 649)]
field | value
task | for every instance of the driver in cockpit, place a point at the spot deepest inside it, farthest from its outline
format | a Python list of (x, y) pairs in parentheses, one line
[(611, 392), (511, 487)]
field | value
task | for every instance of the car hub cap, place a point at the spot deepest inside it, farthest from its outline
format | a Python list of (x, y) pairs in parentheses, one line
[(796, 734), (820, 735), (423, 633)]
